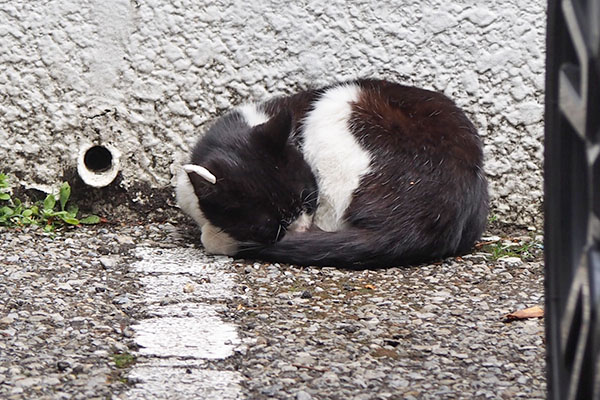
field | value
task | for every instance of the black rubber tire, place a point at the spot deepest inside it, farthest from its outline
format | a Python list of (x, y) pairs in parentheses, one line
[(572, 199)]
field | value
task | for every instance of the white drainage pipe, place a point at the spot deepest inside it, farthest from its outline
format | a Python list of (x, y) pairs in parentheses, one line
[(98, 164)]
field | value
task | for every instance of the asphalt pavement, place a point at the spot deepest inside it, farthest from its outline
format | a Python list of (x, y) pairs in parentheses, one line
[(140, 311)]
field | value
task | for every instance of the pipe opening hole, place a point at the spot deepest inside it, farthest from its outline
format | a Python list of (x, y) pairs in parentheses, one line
[(98, 159)]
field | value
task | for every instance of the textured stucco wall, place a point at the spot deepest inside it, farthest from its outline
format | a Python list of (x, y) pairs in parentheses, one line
[(147, 75)]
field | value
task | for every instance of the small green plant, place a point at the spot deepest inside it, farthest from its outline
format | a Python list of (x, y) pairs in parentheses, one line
[(48, 213), (526, 251), (123, 360), (492, 218)]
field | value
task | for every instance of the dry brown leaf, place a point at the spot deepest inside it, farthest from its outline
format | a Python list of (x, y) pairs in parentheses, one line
[(531, 312), (369, 286)]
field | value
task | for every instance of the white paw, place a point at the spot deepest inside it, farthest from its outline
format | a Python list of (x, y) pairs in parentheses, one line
[(215, 241), (302, 223)]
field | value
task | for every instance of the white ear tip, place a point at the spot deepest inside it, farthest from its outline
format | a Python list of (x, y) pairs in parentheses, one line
[(189, 167), (203, 172)]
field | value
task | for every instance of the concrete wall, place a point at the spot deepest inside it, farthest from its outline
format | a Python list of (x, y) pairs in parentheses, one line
[(147, 75)]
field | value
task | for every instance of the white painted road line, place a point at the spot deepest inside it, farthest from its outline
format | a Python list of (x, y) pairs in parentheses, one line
[(183, 331)]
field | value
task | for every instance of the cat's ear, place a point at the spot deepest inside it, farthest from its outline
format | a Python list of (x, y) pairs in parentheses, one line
[(275, 132), (201, 172)]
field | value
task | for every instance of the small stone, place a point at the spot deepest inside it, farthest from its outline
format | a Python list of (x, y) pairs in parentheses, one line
[(121, 300), (271, 390), (51, 381), (306, 295), (422, 348), (8, 332), (63, 365), (107, 262), (64, 286), (261, 341), (522, 379), (491, 238), (188, 288), (399, 383), (331, 377), (304, 359), (511, 262), (374, 374), (122, 239), (461, 356), (302, 395), (100, 288), (425, 315), (76, 282)]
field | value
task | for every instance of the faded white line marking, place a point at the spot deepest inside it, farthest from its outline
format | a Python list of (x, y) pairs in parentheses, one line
[(183, 333), (200, 384), (202, 334)]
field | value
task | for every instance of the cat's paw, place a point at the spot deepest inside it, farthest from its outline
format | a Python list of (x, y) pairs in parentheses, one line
[(215, 241), (302, 223)]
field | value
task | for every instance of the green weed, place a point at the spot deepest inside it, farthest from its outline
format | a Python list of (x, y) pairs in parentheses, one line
[(124, 360), (526, 251), (48, 213)]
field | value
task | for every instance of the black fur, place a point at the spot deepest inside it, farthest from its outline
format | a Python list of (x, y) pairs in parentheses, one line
[(424, 199), (262, 179)]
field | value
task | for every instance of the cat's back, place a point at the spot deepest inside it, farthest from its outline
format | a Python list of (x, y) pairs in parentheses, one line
[(372, 138), (414, 121), (378, 116)]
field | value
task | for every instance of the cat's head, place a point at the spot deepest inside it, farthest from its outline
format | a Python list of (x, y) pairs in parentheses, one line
[(255, 187)]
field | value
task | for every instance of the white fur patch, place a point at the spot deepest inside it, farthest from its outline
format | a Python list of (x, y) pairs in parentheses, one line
[(215, 241), (302, 223), (334, 155), (252, 114), (187, 200)]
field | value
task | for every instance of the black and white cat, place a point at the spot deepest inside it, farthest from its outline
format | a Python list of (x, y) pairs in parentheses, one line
[(366, 173)]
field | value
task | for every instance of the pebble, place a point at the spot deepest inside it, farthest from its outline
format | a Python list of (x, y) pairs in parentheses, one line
[(108, 262), (511, 262), (302, 395), (304, 359)]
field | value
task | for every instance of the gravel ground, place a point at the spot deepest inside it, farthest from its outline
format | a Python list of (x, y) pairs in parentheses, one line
[(68, 304)]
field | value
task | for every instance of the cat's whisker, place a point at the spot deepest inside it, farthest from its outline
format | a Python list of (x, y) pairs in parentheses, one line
[(251, 246), (309, 198)]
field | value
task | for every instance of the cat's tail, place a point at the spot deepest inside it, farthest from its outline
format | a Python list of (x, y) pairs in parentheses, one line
[(352, 248)]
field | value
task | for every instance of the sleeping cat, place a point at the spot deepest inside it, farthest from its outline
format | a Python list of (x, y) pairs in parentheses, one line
[(366, 173)]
